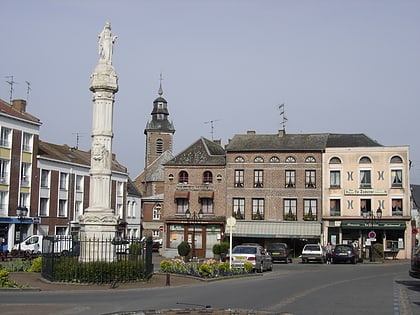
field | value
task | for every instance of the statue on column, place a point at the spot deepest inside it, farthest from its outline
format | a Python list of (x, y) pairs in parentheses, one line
[(106, 44)]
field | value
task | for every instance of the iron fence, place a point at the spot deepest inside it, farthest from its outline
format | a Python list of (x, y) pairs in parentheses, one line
[(67, 259)]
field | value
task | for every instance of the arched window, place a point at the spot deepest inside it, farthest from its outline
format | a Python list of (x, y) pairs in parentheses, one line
[(183, 177), (207, 177), (159, 146), (274, 159), (239, 159), (365, 160), (310, 159), (396, 159), (290, 159), (258, 159), (335, 160)]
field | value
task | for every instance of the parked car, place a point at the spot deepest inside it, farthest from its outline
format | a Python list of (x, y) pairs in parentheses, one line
[(313, 252), (255, 254), (280, 252), (415, 264), (344, 253)]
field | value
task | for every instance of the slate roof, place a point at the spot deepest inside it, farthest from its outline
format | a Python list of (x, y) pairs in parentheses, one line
[(154, 172), (415, 193), (68, 154), (6, 108), (132, 189), (297, 142), (201, 152)]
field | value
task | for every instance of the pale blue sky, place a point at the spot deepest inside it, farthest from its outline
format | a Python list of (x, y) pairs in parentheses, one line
[(339, 67)]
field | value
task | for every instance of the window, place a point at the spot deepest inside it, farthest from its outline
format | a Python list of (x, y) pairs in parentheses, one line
[(335, 160), (3, 204), (335, 181), (396, 159), (24, 200), (258, 159), (159, 146), (207, 177), (290, 209), (62, 208), (396, 178), (120, 189), (60, 230), (207, 205), (157, 211), (310, 181), (181, 205), (239, 159), (78, 209), (79, 183), (309, 209), (183, 177), (45, 178), (365, 181), (274, 159), (238, 211), (258, 209), (27, 142), (335, 207), (5, 137), (290, 159), (365, 206), (239, 178), (63, 181), (4, 171), (258, 178), (310, 159), (397, 207), (25, 174), (290, 179), (365, 160), (43, 207)]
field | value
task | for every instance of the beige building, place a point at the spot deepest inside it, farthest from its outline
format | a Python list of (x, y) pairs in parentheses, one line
[(360, 177)]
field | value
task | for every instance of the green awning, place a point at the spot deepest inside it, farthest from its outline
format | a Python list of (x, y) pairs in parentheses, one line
[(382, 224), (289, 229)]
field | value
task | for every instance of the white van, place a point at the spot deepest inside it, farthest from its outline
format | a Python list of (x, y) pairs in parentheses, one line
[(33, 244)]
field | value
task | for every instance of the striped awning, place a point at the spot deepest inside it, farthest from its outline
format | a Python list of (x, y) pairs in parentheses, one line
[(289, 229)]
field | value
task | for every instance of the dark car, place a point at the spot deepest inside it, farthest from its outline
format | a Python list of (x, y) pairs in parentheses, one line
[(415, 264), (344, 253), (280, 252)]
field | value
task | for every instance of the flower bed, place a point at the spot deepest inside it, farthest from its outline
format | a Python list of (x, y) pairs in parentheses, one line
[(207, 269)]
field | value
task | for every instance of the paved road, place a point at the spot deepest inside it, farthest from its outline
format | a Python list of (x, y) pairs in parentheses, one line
[(374, 289)]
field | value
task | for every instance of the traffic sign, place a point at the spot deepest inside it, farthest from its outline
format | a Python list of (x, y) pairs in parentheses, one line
[(372, 234)]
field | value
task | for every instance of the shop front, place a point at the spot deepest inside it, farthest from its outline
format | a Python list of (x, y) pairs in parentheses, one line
[(392, 234)]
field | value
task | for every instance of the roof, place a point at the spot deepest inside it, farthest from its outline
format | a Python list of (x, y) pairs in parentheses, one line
[(17, 111), (296, 142), (132, 189), (415, 193), (64, 153), (154, 172), (201, 152)]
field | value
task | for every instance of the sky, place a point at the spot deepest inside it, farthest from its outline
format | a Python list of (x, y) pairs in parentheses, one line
[(337, 66)]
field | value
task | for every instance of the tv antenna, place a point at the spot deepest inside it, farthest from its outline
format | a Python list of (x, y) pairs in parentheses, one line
[(78, 135), (282, 114), (11, 82), (211, 122), (28, 89)]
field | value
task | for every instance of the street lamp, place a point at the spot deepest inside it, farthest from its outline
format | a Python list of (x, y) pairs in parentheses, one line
[(21, 212), (195, 217), (371, 218)]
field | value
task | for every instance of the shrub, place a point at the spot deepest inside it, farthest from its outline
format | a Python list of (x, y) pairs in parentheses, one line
[(135, 249), (205, 270), (224, 247), (216, 249), (184, 249), (5, 282), (248, 267), (18, 265), (36, 265), (224, 267)]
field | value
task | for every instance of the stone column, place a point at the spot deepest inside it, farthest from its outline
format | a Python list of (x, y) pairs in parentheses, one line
[(99, 221)]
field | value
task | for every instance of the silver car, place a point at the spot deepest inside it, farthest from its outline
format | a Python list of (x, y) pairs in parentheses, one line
[(255, 254)]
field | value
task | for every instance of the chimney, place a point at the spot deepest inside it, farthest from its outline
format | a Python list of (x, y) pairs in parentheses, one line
[(282, 132), (250, 132), (19, 105), (218, 141)]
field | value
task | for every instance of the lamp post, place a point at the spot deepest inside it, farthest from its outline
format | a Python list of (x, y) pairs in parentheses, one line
[(194, 217), (21, 213), (371, 218)]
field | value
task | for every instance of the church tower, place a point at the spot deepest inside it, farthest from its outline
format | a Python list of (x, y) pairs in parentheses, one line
[(159, 131)]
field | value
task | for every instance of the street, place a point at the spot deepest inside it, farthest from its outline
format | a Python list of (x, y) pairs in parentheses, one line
[(295, 288)]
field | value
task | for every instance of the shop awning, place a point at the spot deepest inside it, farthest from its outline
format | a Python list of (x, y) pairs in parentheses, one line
[(276, 229), (182, 195), (208, 194), (382, 224)]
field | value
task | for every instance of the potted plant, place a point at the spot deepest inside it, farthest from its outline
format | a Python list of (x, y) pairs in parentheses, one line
[(184, 249), (224, 250), (289, 216), (216, 251)]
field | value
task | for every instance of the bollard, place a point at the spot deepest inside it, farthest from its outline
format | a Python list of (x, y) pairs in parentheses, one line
[(168, 279)]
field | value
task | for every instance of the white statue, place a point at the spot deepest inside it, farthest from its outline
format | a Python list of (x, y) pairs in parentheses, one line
[(106, 44)]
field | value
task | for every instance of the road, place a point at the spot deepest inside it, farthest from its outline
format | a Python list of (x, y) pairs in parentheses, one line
[(299, 289)]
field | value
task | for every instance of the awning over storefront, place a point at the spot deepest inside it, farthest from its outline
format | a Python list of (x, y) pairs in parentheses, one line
[(208, 194), (287, 229), (182, 194), (382, 224)]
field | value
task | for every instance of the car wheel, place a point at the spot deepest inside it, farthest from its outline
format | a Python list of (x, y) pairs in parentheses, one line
[(261, 269), (286, 260)]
